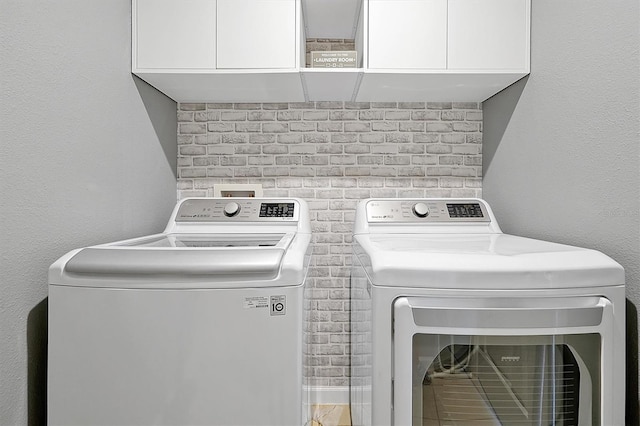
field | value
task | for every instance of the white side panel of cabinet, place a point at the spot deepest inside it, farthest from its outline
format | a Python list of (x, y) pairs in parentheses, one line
[(489, 34), (174, 34), (408, 34), (256, 34)]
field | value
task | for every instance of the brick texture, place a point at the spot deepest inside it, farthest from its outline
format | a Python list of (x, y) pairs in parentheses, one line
[(332, 154)]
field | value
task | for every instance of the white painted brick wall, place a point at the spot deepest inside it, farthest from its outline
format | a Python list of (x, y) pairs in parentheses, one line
[(332, 154)]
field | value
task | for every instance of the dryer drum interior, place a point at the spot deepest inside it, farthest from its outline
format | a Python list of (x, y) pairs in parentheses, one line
[(504, 382)]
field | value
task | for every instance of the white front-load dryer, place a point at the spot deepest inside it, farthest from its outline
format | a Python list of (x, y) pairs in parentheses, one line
[(455, 323), (198, 325)]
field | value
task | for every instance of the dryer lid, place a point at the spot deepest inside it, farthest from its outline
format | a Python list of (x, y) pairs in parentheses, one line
[(481, 261)]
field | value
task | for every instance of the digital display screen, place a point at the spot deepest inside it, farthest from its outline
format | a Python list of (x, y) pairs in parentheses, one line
[(464, 210), (276, 209)]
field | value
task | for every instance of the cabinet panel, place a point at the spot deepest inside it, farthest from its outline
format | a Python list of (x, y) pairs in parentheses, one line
[(256, 34), (408, 34), (489, 34), (448, 86), (174, 34), (228, 87)]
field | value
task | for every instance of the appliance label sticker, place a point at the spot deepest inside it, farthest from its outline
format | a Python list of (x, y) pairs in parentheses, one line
[(278, 305), (256, 302)]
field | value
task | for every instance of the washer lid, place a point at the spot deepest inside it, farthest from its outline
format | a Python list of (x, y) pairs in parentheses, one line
[(220, 241), (242, 256), (487, 261)]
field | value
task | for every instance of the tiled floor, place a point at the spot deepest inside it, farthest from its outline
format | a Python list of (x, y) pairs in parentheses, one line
[(330, 415)]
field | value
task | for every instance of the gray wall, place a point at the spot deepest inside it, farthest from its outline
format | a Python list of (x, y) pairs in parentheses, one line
[(87, 155), (561, 159)]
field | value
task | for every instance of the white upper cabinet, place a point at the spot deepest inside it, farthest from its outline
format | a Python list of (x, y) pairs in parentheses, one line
[(254, 50), (219, 50), (407, 34), (488, 34), (170, 34), (448, 34), (256, 34), (444, 50)]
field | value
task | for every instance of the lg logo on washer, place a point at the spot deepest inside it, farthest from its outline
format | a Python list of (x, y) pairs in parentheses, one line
[(278, 305)]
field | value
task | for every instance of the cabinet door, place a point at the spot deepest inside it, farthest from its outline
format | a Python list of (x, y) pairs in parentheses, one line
[(256, 34), (408, 34), (174, 34), (489, 34)]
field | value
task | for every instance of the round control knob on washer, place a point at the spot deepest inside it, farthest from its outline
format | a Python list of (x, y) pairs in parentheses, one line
[(231, 209), (421, 210)]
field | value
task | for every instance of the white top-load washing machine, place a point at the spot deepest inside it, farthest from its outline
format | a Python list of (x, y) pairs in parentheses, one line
[(199, 325), (454, 322)]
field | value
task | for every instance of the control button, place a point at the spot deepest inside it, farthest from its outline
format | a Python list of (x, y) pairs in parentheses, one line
[(421, 210), (231, 209)]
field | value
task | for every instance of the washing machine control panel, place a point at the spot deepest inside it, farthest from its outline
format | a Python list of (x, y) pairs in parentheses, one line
[(238, 210), (426, 210)]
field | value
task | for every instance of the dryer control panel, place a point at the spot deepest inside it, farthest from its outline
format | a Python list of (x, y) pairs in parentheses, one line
[(426, 211), (238, 210)]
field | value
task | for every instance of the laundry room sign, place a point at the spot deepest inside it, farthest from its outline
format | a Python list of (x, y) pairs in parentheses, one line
[(334, 59)]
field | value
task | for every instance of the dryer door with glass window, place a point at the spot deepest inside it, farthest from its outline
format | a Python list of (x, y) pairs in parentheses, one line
[(500, 361)]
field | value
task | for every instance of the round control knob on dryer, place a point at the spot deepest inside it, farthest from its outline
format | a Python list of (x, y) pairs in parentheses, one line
[(231, 209), (421, 210)]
